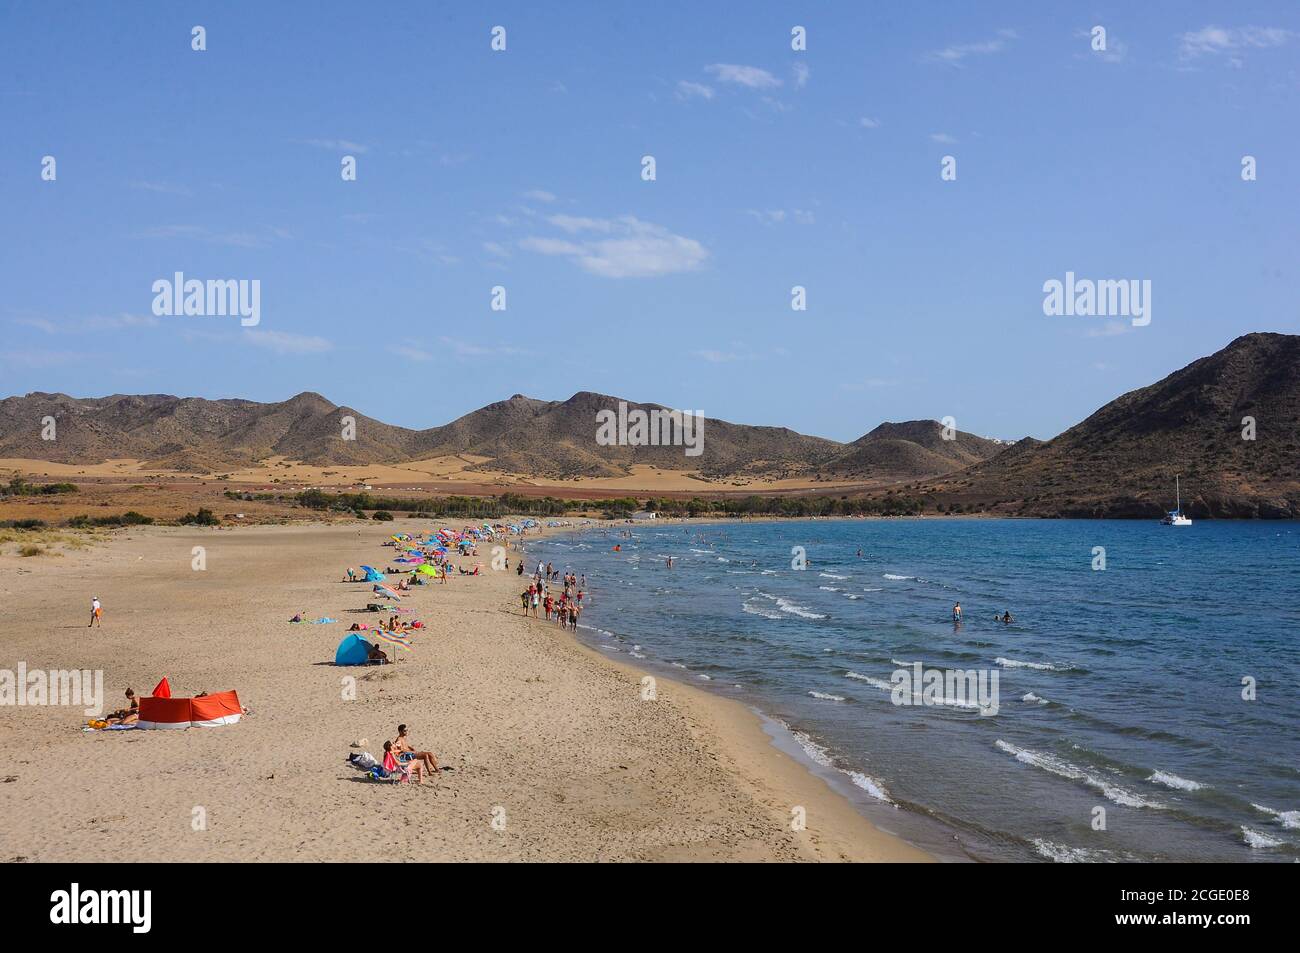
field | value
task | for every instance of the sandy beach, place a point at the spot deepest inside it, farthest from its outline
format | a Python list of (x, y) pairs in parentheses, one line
[(542, 733)]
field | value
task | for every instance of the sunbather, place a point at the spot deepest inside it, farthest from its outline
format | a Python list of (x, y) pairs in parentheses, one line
[(394, 766), (129, 715), (376, 655), (403, 745)]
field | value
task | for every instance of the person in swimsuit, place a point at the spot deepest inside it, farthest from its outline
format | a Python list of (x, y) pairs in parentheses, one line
[(96, 611), (393, 766), (403, 745), (129, 715), (956, 612)]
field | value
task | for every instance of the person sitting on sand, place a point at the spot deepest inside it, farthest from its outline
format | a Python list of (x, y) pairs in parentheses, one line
[(375, 655), (356, 627), (128, 715), (297, 617), (404, 747), (393, 766)]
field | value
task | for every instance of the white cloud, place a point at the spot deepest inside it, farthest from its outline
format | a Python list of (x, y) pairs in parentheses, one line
[(467, 349), (943, 138), (688, 90), (801, 74), (750, 76), (1215, 39), (868, 123), (260, 239), (337, 145), (628, 248), (540, 195), (282, 342), (720, 357), (30, 359), (954, 54), (161, 187), (411, 353), (94, 322), (496, 249)]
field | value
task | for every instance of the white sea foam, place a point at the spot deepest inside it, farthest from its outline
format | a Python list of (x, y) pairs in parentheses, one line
[(1062, 854), (1288, 819), (759, 610), (723, 559), (1258, 840), (829, 588), (1034, 699), (1039, 666), (852, 596), (636, 654), (876, 589), (879, 683), (794, 608), (890, 575), (831, 575), (821, 756), (1174, 781), (1062, 768), (825, 697), (707, 678)]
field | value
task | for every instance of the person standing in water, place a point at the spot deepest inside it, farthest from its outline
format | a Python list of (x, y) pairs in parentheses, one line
[(956, 612)]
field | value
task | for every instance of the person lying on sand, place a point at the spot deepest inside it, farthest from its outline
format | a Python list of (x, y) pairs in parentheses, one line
[(393, 766), (128, 715), (402, 744)]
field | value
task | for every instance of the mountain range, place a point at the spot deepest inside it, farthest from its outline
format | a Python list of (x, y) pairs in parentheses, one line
[(1228, 424)]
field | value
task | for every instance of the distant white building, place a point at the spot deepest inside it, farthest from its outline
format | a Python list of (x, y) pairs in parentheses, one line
[(645, 515)]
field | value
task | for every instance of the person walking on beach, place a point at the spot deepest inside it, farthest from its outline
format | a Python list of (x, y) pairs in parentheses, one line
[(96, 612)]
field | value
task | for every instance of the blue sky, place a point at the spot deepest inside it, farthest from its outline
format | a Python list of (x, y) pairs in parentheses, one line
[(522, 169)]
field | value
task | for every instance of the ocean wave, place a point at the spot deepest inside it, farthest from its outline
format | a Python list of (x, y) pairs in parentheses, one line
[(890, 575), (723, 559), (1258, 840), (707, 678), (876, 589), (636, 654), (1037, 666), (1288, 819), (1174, 781), (1034, 699), (794, 608), (820, 755), (829, 588), (759, 610), (1062, 854), (879, 683), (825, 697), (831, 575), (1062, 768)]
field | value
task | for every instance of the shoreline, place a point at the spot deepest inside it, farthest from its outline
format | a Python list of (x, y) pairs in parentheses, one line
[(546, 729)]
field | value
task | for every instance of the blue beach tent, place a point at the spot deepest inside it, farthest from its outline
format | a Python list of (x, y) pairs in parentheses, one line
[(373, 574), (353, 650)]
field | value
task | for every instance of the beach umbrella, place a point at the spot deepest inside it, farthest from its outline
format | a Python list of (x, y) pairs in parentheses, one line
[(386, 591), (393, 638)]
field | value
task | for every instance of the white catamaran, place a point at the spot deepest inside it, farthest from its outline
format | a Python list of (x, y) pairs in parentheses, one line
[(1175, 516)]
